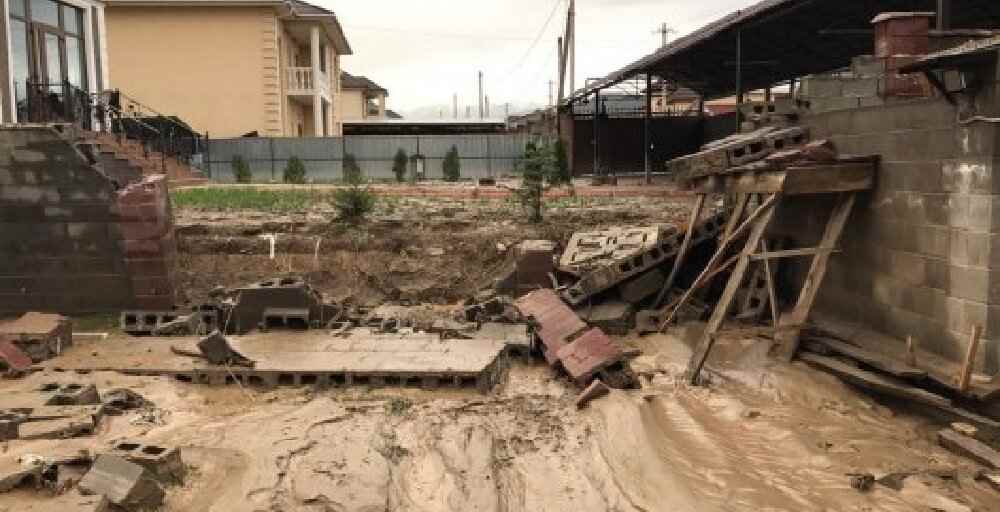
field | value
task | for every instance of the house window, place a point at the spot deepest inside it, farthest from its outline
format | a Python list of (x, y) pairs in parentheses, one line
[(47, 48)]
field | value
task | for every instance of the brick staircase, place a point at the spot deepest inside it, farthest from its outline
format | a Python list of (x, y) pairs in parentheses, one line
[(126, 161)]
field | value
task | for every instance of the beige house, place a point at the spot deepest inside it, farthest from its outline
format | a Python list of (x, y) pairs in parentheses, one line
[(230, 67), (361, 98)]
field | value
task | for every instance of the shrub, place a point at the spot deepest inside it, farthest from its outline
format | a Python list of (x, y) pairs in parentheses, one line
[(452, 166), (241, 170), (295, 171), (352, 171), (399, 164), (353, 203)]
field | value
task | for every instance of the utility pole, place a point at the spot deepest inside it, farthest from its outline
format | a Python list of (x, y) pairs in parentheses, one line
[(481, 92), (506, 110), (664, 32), (454, 105), (572, 45), (487, 106), (550, 92), (561, 67)]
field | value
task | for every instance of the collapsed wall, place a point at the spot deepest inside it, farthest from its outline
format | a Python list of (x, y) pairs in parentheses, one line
[(921, 255), (69, 241)]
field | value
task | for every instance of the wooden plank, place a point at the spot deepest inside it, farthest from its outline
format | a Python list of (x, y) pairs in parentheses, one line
[(870, 358), (699, 205), (970, 358), (875, 382), (792, 253), (704, 347), (793, 321), (709, 270), (823, 179), (969, 447), (772, 296), (829, 179)]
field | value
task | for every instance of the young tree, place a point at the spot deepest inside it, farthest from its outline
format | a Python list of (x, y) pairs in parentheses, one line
[(352, 171), (295, 171), (452, 166), (353, 203), (399, 165), (537, 166), (241, 170)]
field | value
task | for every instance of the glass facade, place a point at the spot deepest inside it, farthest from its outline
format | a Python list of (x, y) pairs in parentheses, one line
[(47, 47)]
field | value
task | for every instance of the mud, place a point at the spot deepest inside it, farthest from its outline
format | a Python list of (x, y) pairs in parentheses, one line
[(444, 252), (762, 436)]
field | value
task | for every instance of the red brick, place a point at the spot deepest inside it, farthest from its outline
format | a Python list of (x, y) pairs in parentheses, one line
[(590, 353)]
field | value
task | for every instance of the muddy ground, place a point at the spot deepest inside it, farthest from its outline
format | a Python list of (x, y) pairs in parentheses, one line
[(762, 435)]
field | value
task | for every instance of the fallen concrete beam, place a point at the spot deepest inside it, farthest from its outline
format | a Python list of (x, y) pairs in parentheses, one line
[(125, 484), (969, 447)]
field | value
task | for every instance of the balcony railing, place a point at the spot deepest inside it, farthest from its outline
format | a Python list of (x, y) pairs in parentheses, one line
[(300, 81)]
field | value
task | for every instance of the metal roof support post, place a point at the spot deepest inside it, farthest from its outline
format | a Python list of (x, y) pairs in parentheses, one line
[(943, 14), (645, 128), (597, 133), (739, 79)]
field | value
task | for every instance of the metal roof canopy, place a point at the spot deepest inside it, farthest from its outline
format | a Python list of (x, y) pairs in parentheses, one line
[(781, 40)]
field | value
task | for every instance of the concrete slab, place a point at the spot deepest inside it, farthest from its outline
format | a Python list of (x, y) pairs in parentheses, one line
[(312, 358), (124, 483), (557, 323), (39, 335), (590, 353), (164, 463), (612, 316)]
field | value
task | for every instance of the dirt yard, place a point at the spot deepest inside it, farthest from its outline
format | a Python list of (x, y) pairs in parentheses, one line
[(762, 435)]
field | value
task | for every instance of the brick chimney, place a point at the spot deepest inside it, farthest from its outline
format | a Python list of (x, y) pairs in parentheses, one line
[(900, 39)]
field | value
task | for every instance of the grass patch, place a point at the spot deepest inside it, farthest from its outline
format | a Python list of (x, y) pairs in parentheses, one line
[(249, 198)]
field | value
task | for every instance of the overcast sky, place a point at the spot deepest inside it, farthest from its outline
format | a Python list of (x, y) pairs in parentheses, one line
[(424, 51)]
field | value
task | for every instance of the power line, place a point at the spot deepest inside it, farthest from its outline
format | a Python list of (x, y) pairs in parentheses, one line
[(534, 43)]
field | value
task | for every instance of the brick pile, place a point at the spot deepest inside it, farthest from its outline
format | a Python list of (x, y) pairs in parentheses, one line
[(147, 241)]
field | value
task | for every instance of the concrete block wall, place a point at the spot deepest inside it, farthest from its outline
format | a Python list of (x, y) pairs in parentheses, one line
[(922, 251), (69, 241)]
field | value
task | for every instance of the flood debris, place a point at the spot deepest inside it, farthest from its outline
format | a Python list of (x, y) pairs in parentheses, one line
[(123, 483), (568, 344), (216, 349), (595, 390), (533, 263), (164, 463), (40, 336), (70, 394), (13, 361), (969, 447)]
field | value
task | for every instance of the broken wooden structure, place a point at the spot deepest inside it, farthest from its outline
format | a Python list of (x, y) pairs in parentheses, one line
[(769, 171)]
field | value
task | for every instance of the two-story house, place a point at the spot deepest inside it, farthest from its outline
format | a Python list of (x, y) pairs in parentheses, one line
[(230, 67), (361, 98)]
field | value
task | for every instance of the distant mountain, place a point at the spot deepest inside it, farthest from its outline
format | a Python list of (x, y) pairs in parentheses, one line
[(435, 112)]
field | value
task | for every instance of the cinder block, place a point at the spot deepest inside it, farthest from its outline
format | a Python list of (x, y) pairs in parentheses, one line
[(164, 463), (640, 288), (70, 394), (124, 483)]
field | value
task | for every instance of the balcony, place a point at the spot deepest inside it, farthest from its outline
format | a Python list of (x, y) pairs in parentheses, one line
[(301, 82)]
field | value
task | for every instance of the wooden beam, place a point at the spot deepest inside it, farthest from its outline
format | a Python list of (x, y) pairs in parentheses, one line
[(792, 253), (792, 322), (704, 347), (825, 179), (699, 205), (772, 296), (969, 447), (876, 382), (965, 377), (868, 357), (719, 253)]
